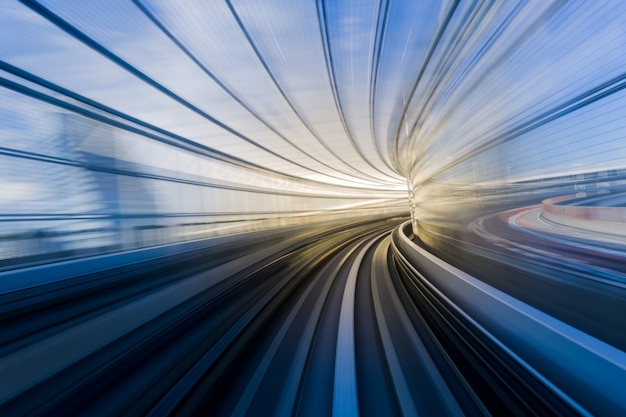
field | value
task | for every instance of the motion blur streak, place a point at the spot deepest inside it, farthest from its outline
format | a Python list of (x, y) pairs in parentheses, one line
[(315, 207)]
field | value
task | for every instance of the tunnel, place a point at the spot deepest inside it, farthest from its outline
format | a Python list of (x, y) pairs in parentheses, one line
[(312, 208)]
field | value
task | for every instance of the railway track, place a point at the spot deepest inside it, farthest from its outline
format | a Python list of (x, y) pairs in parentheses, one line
[(344, 321)]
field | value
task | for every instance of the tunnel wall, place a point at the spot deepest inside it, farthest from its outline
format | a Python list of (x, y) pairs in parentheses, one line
[(75, 184)]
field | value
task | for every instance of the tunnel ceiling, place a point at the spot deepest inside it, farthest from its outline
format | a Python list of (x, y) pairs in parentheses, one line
[(311, 90), (355, 93)]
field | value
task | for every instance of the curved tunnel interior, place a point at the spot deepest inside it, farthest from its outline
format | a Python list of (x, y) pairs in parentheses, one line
[(373, 207)]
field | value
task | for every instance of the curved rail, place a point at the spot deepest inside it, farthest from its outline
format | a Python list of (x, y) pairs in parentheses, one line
[(550, 366), (348, 320)]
